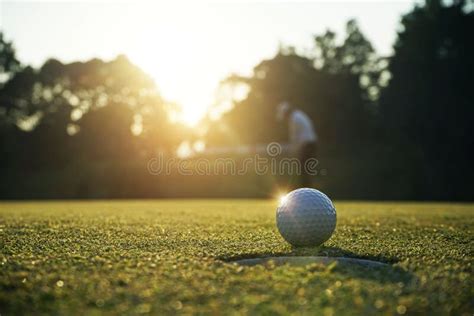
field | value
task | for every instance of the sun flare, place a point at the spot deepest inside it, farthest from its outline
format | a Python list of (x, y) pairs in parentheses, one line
[(182, 72), (191, 115), (282, 198)]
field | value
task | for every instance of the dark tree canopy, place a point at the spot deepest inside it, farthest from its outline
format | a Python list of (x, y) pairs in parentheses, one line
[(429, 102), (8, 61), (91, 110), (327, 87)]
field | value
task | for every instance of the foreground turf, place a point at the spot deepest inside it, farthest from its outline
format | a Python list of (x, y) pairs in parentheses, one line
[(173, 256)]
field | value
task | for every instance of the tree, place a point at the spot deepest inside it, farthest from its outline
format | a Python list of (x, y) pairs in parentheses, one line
[(9, 64), (428, 105), (326, 86), (355, 55)]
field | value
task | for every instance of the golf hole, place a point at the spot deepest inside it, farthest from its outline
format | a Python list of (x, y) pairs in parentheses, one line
[(306, 260)]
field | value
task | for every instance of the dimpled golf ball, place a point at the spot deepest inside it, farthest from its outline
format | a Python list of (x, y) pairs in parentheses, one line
[(306, 217)]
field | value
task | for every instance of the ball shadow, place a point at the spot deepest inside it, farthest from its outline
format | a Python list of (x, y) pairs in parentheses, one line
[(385, 272)]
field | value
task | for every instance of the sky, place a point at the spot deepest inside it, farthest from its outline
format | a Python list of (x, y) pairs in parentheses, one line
[(188, 47)]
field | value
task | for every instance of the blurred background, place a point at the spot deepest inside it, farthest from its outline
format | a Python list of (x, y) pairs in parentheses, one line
[(90, 92)]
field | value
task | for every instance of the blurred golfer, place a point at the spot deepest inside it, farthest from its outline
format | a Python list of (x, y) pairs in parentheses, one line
[(302, 137)]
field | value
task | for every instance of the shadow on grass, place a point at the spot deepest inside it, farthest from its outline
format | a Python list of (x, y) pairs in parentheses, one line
[(381, 271), (339, 252), (312, 251)]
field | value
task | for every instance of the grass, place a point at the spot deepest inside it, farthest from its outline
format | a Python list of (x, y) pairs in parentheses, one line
[(164, 257)]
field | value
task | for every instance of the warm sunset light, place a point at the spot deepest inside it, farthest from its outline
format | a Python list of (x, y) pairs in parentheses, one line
[(282, 198), (236, 157), (186, 51), (178, 70), (281, 195)]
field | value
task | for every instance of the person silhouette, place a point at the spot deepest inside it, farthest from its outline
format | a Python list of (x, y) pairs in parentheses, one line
[(303, 140)]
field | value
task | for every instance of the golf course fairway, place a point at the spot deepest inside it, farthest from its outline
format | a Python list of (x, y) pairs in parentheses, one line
[(176, 256)]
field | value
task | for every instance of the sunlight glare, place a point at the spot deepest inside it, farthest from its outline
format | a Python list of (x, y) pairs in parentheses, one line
[(283, 198), (178, 63)]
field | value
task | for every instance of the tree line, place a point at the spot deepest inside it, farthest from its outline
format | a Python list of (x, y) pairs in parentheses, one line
[(390, 127)]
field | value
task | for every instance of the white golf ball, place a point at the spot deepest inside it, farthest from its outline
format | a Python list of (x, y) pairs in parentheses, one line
[(306, 217)]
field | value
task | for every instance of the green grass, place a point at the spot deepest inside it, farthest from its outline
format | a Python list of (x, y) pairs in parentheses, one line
[(164, 257)]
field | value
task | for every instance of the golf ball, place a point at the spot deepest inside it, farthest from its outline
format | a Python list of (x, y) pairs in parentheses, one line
[(306, 217)]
